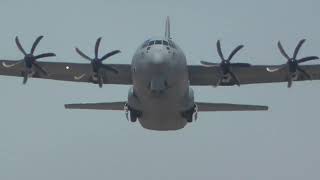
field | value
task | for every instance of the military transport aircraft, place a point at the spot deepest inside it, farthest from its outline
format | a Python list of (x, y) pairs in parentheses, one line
[(161, 97)]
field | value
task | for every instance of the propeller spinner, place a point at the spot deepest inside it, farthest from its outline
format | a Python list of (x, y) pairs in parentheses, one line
[(97, 63), (30, 60), (293, 63), (225, 65)]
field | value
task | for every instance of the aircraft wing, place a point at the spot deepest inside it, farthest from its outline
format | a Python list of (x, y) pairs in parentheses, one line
[(229, 107), (203, 76), (97, 106), (75, 72)]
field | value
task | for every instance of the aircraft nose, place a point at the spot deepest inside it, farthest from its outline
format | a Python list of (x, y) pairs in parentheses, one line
[(158, 56)]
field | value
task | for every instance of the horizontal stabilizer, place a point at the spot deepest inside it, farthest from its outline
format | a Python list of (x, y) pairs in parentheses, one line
[(201, 106), (97, 106), (229, 107)]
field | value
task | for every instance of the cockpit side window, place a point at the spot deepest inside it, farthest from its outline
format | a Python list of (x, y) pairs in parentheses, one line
[(165, 43), (171, 44), (145, 44), (151, 43)]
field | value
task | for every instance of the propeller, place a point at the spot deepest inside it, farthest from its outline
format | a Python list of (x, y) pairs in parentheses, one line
[(97, 63), (293, 63), (30, 60), (225, 65)]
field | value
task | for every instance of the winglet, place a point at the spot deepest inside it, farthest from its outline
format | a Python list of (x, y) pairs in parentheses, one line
[(167, 35)]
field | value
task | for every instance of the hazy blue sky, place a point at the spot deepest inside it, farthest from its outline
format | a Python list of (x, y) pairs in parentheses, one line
[(40, 140)]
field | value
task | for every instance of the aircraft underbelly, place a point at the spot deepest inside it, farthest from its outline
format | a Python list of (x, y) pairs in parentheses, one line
[(164, 112), (162, 115)]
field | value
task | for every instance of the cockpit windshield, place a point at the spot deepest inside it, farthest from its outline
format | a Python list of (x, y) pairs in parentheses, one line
[(151, 43), (159, 42)]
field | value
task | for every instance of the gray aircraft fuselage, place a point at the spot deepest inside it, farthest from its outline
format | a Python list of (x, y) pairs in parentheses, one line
[(160, 85)]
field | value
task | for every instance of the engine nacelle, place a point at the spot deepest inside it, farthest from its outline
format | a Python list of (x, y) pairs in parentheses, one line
[(190, 111), (133, 106)]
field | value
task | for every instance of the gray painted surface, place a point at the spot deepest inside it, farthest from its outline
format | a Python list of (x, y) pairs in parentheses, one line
[(161, 107), (41, 140)]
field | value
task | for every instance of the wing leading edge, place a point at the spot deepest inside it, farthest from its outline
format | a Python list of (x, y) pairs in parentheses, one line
[(95, 72), (205, 76), (226, 73), (76, 72)]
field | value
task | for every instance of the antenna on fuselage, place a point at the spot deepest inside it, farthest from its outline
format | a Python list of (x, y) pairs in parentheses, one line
[(167, 34)]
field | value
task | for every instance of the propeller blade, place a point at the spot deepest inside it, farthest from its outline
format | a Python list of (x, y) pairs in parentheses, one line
[(96, 49), (218, 82), (235, 78), (240, 65), (127, 114), (100, 81), (25, 77), (37, 66), (219, 50), (289, 80), (235, 52), (306, 59), (297, 49), (209, 64), (20, 46), (109, 55), (283, 52), (44, 55), (293, 64), (305, 73), (83, 55), (110, 68), (35, 44), (98, 68)]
